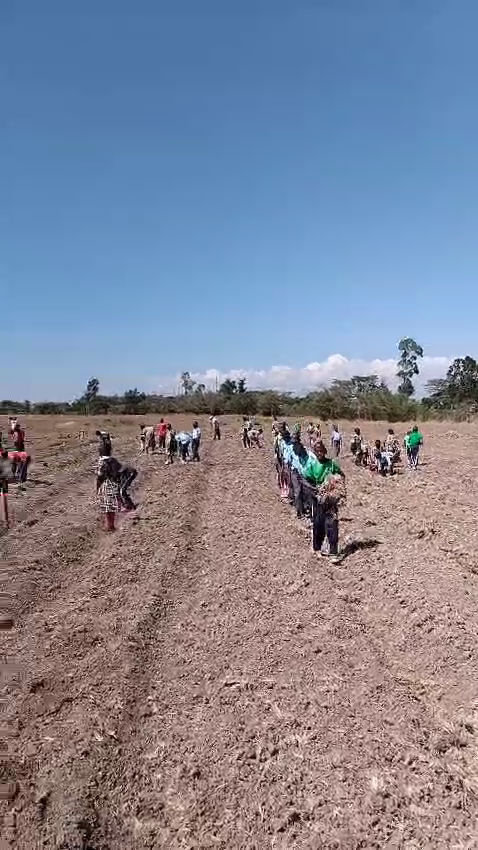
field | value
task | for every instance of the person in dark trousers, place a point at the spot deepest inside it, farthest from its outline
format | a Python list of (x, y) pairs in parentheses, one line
[(325, 519), (171, 445), (246, 440), (126, 476), (195, 441), (216, 430), (300, 494)]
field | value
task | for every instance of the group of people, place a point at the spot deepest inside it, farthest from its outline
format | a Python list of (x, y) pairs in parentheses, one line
[(313, 483), (383, 456), (182, 444)]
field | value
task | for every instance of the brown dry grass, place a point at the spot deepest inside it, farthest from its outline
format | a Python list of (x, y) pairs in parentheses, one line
[(200, 680)]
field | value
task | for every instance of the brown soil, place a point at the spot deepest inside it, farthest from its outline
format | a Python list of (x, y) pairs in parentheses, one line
[(201, 680)]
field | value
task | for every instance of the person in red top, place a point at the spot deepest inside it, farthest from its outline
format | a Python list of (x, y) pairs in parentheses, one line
[(162, 431), (18, 438)]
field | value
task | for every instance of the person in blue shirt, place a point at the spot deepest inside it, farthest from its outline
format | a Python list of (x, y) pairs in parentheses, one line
[(183, 440), (298, 458)]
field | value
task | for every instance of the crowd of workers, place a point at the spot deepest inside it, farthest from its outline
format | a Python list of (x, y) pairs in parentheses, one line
[(315, 484), (308, 478)]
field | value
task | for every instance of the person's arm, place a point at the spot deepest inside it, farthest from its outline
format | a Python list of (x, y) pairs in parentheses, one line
[(337, 470)]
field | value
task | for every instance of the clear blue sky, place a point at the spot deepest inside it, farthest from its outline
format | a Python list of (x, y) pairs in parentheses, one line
[(188, 185)]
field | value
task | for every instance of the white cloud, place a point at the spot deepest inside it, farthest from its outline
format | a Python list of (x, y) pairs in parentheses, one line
[(312, 376)]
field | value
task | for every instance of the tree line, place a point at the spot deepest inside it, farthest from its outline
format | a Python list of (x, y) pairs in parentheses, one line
[(360, 397)]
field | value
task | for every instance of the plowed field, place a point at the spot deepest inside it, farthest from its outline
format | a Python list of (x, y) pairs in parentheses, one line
[(201, 680)]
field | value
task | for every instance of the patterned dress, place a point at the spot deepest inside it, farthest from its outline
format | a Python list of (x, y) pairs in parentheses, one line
[(108, 491)]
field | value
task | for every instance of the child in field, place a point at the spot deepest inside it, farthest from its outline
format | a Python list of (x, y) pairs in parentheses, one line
[(183, 440), (195, 441), (326, 475), (147, 438), (108, 489), (162, 431), (415, 440), (171, 444), (336, 441)]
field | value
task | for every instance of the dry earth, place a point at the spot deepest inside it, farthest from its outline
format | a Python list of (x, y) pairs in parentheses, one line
[(200, 680)]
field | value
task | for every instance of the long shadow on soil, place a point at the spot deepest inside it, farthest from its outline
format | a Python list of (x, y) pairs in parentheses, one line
[(358, 546)]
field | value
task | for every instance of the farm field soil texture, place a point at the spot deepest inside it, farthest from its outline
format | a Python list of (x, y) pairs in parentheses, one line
[(201, 680)]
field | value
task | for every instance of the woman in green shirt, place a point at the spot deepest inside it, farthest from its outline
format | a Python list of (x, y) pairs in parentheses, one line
[(414, 441), (325, 506)]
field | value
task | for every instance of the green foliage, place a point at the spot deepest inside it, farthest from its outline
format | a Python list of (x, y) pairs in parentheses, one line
[(187, 383), (360, 397), (408, 369), (458, 391)]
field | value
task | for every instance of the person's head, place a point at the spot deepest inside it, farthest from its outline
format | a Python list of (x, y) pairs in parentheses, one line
[(168, 426), (105, 450), (378, 444), (357, 431), (97, 433), (142, 427), (195, 424), (415, 429), (300, 450), (320, 450), (390, 431)]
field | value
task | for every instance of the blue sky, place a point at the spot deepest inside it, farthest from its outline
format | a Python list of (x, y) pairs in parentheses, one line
[(235, 186)]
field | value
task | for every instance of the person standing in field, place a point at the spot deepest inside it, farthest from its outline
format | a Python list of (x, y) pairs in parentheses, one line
[(162, 431), (246, 426), (147, 438), (171, 444), (336, 441), (216, 430), (322, 472), (195, 441), (415, 441)]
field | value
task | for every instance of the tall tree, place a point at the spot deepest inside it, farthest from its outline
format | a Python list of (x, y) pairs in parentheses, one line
[(407, 367), (187, 383), (92, 390), (241, 385)]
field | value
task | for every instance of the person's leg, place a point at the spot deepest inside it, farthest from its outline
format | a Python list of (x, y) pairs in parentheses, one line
[(109, 521), (318, 527), (297, 491), (127, 477), (332, 529)]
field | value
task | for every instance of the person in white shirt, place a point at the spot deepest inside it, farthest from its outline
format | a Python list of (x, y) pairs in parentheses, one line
[(336, 440), (195, 441)]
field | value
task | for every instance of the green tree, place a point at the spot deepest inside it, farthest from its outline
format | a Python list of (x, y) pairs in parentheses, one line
[(241, 385), (228, 388), (407, 367), (187, 383), (134, 401)]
